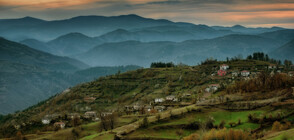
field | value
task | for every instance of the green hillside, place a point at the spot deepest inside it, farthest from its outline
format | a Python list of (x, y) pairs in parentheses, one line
[(141, 87)]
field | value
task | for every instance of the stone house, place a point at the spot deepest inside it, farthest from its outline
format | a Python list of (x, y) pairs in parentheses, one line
[(90, 114), (59, 124), (171, 98)]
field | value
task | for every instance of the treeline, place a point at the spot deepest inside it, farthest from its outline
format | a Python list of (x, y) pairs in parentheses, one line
[(264, 82), (162, 65), (264, 57)]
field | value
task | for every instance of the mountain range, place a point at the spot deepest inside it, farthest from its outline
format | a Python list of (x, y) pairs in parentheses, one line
[(40, 58)]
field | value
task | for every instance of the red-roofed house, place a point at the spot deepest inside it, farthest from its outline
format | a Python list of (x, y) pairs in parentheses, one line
[(245, 73), (222, 72)]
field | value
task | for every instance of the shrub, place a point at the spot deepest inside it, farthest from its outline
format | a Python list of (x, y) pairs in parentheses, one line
[(158, 117), (194, 136), (276, 126), (222, 124), (144, 122), (225, 134), (180, 132)]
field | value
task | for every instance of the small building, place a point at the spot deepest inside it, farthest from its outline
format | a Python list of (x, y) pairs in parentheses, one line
[(224, 67), (46, 121), (137, 107), (89, 99), (291, 73), (235, 74), (159, 100), (59, 124), (148, 108), (212, 88), (221, 72), (106, 114), (73, 115), (171, 98), (90, 114), (160, 108), (272, 66), (245, 73)]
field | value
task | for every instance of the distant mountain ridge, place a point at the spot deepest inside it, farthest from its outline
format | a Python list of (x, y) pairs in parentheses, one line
[(284, 52), (190, 52), (28, 27)]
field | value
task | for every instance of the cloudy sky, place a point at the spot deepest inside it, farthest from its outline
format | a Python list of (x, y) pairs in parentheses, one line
[(262, 13)]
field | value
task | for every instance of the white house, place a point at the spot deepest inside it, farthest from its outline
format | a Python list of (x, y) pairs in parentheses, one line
[(46, 121), (235, 73), (159, 100), (90, 114), (212, 88), (224, 67), (245, 73), (272, 66), (171, 98)]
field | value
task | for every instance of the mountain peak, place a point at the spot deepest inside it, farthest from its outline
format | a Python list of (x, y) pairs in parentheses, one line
[(238, 26)]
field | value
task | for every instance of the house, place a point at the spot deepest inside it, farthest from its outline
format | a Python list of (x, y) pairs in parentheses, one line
[(291, 73), (245, 73), (235, 74), (171, 98), (221, 72), (73, 115), (90, 114), (159, 100), (148, 108), (46, 121), (106, 114), (212, 88), (59, 124), (129, 108), (160, 108), (89, 99), (272, 66), (224, 67), (137, 107)]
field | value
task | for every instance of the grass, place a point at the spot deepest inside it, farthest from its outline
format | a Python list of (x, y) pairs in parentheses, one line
[(160, 134), (284, 135)]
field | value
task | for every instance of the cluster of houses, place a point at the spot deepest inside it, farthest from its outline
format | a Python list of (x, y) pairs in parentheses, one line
[(91, 115)]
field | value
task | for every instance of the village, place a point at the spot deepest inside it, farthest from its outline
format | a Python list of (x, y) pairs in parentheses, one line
[(164, 103)]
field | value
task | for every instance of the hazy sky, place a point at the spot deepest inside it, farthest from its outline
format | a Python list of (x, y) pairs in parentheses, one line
[(211, 12)]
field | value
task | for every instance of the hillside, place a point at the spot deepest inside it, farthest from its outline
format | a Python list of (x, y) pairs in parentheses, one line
[(189, 52), (29, 76), (18, 53), (72, 43), (283, 36), (284, 52), (118, 92)]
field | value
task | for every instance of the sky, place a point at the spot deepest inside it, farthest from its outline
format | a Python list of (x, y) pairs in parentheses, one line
[(251, 13)]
